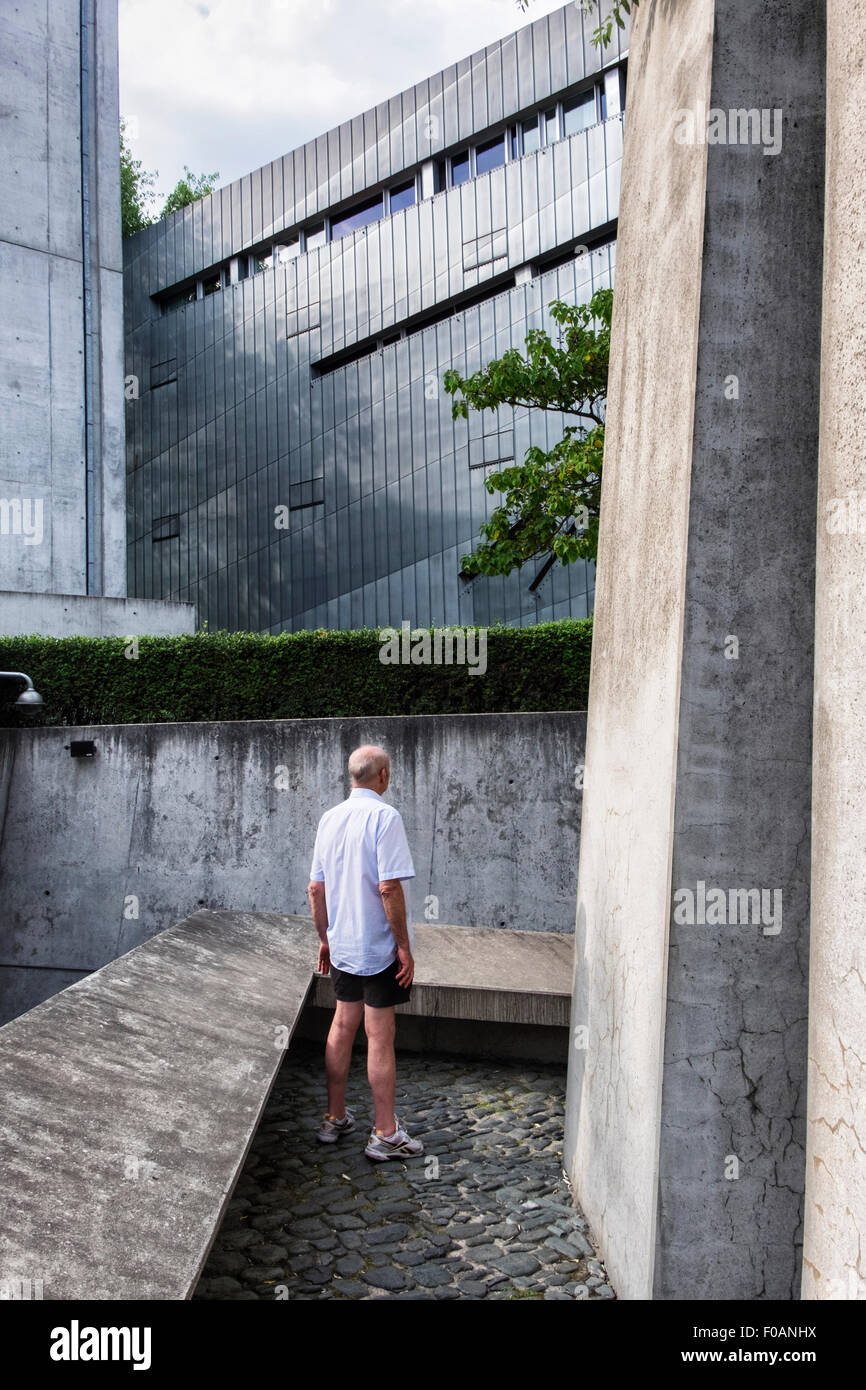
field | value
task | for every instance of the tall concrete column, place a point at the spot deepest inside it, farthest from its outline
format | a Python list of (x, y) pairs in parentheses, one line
[(62, 428), (834, 1256), (685, 1123)]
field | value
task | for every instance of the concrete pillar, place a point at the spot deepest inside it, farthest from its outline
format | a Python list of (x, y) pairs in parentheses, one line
[(685, 1121), (834, 1255), (62, 451)]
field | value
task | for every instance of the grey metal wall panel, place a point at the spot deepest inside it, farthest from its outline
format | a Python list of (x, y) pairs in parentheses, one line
[(245, 423)]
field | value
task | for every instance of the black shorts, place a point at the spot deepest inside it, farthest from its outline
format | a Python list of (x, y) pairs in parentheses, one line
[(379, 991)]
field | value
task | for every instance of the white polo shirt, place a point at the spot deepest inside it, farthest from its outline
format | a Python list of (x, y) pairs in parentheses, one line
[(360, 844)]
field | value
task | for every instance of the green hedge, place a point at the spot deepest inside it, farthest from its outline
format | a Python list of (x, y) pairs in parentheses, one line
[(303, 675)]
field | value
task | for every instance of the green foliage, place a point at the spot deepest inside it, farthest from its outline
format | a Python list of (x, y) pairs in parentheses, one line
[(303, 675), (551, 500), (189, 189), (137, 196), (602, 35), (136, 190)]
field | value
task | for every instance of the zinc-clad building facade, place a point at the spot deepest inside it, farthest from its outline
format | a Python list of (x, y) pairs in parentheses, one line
[(291, 457)]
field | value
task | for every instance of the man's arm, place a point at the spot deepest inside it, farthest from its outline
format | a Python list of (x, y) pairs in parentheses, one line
[(319, 909), (394, 903)]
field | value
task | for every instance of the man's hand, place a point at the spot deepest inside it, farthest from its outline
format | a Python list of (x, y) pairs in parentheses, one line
[(324, 963), (394, 903), (406, 973)]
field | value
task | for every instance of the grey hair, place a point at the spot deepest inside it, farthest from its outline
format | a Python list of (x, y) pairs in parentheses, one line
[(366, 763)]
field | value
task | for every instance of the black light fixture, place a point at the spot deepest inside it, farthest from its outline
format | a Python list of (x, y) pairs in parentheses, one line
[(81, 748)]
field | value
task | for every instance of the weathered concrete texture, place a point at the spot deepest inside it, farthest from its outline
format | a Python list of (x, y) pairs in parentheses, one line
[(735, 1043), (835, 1221), (42, 255), (129, 1103), (98, 854), (493, 976), (697, 1191), (612, 1117), (79, 615)]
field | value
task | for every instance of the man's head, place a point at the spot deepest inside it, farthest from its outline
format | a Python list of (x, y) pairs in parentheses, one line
[(370, 767)]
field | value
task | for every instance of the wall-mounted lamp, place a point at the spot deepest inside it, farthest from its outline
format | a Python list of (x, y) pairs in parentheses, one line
[(28, 695)]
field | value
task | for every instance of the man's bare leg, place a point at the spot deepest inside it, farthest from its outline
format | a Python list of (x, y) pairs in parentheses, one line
[(381, 1065), (338, 1054)]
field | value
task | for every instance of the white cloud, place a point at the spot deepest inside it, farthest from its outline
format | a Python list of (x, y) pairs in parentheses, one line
[(231, 84)]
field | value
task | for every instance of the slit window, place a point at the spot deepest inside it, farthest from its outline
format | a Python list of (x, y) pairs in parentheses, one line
[(356, 217), (490, 155), (580, 113), (310, 493), (179, 300), (401, 197), (531, 138), (460, 168), (166, 528)]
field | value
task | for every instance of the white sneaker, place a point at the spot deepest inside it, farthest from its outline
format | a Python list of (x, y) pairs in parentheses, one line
[(396, 1145), (332, 1129)]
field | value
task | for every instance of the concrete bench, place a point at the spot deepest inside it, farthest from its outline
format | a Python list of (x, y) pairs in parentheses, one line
[(485, 974), (131, 1098)]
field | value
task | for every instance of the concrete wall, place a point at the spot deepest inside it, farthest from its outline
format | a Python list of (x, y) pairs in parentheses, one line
[(730, 1189), (833, 1255), (621, 945), (42, 331), (98, 854), (72, 615), (686, 1123)]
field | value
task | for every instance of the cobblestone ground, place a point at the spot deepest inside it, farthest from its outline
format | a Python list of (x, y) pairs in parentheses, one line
[(484, 1214)]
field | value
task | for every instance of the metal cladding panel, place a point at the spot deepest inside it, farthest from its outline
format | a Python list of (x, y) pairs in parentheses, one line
[(395, 157), (212, 229), (333, 163), (527, 90), (245, 422), (556, 50), (257, 205), (201, 248), (227, 243), (480, 109), (541, 58), (486, 87), (352, 157)]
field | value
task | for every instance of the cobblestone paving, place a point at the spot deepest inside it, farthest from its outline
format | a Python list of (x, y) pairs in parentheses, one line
[(485, 1213)]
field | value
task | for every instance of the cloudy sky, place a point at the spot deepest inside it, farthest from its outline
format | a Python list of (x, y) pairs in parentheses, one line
[(229, 85)]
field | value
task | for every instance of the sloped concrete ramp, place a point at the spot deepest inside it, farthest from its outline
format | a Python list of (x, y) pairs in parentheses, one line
[(130, 1099)]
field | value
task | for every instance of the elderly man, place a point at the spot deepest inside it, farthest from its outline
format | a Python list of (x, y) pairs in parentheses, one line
[(356, 895)]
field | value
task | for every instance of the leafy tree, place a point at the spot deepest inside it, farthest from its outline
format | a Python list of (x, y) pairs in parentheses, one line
[(551, 500), (602, 35), (137, 196), (136, 190), (189, 189)]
